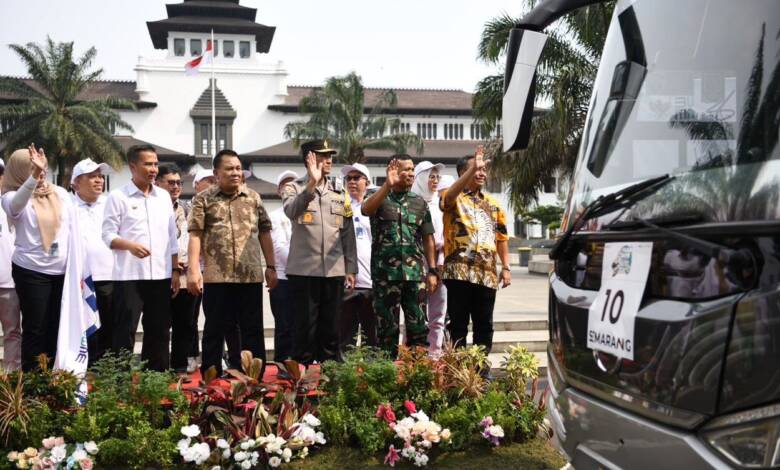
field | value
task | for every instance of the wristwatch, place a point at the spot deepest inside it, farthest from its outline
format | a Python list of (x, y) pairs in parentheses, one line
[(271, 267), (178, 270), (505, 268), (434, 271)]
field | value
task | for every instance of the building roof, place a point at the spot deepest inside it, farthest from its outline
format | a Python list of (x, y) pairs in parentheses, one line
[(222, 107), (97, 89), (264, 188), (436, 151), (127, 141), (201, 16), (410, 101)]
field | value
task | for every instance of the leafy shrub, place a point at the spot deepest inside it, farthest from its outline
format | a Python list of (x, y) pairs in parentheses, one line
[(144, 447)]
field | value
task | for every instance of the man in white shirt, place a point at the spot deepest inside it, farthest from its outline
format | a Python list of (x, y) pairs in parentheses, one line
[(282, 295), (357, 309), (140, 227), (88, 182), (10, 315)]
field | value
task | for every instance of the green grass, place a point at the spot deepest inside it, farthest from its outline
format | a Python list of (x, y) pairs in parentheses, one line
[(533, 455)]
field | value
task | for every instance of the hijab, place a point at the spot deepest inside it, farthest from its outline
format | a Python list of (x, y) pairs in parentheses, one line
[(420, 185), (45, 200)]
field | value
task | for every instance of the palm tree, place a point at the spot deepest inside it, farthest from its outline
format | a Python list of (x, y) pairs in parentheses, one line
[(566, 72), (53, 112), (338, 114)]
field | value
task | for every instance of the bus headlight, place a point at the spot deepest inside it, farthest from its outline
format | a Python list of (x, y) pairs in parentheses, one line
[(750, 439)]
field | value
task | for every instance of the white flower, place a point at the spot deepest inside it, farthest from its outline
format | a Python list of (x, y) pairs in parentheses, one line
[(420, 416), (319, 438), (496, 430), (274, 445), (201, 452), (79, 455), (183, 445), (190, 431), (287, 454), (216, 467), (402, 432), (223, 444), (255, 457), (408, 452), (226, 454), (420, 459), (58, 453), (426, 444), (245, 445), (239, 456), (91, 447), (274, 461), (303, 453), (246, 464), (406, 422), (445, 434), (311, 420)]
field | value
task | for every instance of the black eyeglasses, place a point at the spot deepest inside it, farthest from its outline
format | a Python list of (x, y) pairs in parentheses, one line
[(174, 182), (353, 178)]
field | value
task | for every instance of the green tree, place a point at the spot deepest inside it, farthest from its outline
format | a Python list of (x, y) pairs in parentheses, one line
[(53, 112), (566, 71), (547, 216), (338, 113)]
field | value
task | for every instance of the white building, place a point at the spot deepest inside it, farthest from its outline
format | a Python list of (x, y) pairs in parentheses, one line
[(254, 102)]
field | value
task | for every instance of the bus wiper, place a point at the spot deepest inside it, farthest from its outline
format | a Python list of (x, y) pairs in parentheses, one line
[(605, 204), (723, 253)]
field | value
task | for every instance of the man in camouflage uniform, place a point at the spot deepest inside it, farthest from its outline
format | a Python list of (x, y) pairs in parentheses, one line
[(402, 234), (229, 226)]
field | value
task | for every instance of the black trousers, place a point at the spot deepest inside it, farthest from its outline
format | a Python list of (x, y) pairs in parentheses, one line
[(184, 326), (40, 296), (465, 300), (100, 341), (284, 320), (317, 304), (357, 310), (224, 305), (153, 298), (195, 341)]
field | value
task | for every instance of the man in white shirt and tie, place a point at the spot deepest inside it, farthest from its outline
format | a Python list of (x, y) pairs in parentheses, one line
[(88, 183), (140, 227), (281, 296)]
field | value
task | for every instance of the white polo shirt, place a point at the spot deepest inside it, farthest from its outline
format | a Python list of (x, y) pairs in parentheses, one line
[(147, 220), (28, 252), (100, 258), (280, 234), (362, 226), (6, 251)]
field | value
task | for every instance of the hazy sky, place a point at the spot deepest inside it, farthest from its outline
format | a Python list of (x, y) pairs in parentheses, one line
[(398, 43)]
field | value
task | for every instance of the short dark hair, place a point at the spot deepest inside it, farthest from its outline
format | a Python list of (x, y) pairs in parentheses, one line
[(168, 169), (134, 152), (463, 163), (2, 170), (223, 154), (401, 156)]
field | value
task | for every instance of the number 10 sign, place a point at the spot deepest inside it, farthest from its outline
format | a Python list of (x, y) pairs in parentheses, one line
[(611, 315)]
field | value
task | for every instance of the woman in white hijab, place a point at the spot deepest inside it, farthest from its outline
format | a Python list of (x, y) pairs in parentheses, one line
[(426, 182)]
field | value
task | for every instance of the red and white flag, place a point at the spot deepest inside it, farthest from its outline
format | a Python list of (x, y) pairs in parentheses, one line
[(193, 67)]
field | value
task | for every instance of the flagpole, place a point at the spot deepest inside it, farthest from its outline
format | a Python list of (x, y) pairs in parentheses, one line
[(213, 106)]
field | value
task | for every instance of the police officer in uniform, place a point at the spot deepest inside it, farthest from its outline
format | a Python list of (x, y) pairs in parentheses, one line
[(323, 254)]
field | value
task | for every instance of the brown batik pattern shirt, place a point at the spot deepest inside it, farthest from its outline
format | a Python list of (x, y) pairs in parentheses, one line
[(230, 227)]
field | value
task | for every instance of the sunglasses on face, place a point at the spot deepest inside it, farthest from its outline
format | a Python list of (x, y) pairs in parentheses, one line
[(174, 182), (353, 178)]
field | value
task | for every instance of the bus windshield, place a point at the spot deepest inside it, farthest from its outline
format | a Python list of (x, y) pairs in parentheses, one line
[(689, 89)]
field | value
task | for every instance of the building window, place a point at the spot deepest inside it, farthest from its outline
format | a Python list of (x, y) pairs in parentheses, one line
[(216, 47), (549, 184), (203, 142), (229, 49), (243, 49), (478, 132), (434, 130), (379, 180), (179, 47), (196, 48)]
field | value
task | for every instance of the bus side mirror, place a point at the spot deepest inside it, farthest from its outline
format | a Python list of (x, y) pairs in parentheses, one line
[(523, 52)]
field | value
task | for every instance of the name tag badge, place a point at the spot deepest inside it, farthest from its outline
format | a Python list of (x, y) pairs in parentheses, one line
[(612, 314), (359, 232), (412, 219), (307, 218)]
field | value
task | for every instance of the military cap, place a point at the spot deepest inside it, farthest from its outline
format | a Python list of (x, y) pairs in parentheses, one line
[(316, 146)]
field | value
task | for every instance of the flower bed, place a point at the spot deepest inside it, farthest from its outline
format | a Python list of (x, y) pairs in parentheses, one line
[(414, 412)]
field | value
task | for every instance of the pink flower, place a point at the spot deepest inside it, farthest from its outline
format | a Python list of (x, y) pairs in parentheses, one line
[(48, 443), (86, 464), (392, 456), (486, 421), (386, 413), (380, 411), (410, 407)]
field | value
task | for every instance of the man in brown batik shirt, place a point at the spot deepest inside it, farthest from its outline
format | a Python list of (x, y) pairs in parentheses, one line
[(230, 228)]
